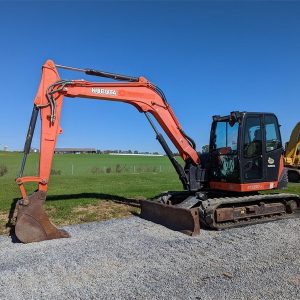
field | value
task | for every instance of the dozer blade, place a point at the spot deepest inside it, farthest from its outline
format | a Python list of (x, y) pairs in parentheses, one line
[(33, 224), (176, 218)]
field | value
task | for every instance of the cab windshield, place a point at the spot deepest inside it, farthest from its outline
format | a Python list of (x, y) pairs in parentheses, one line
[(226, 137), (224, 150)]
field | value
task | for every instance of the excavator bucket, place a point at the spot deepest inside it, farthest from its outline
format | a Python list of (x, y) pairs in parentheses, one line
[(33, 224), (185, 220)]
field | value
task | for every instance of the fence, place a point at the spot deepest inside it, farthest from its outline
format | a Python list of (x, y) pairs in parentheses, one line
[(77, 169), (89, 165)]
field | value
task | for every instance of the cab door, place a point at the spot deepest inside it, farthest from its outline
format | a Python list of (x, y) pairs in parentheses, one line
[(273, 147), (252, 150)]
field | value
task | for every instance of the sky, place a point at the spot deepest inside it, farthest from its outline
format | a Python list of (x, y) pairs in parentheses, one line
[(208, 57)]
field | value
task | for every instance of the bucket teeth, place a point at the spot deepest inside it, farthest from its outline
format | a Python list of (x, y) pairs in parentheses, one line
[(33, 224)]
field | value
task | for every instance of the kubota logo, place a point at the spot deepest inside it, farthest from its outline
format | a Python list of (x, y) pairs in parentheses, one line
[(271, 160), (104, 91)]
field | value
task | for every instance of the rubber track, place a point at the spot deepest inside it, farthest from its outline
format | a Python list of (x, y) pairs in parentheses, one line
[(208, 207)]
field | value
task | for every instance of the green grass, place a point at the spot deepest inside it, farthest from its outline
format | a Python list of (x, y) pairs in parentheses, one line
[(69, 195)]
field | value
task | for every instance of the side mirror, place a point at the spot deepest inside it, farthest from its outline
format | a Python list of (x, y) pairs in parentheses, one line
[(232, 120), (234, 117)]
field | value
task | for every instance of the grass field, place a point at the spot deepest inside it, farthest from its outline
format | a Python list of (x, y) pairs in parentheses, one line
[(97, 180), (86, 187)]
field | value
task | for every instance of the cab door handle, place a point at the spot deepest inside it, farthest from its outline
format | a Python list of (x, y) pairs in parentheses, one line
[(248, 166)]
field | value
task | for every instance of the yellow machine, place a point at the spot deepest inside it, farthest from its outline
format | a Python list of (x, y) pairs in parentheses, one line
[(292, 155)]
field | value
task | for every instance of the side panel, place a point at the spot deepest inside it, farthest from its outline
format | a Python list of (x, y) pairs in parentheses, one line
[(243, 187)]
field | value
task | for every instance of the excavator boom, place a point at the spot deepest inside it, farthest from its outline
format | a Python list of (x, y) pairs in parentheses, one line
[(139, 92)]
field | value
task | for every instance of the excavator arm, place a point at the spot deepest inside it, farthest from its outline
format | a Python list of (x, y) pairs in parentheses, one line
[(139, 92)]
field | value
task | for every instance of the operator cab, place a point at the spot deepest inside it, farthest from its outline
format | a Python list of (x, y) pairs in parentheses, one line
[(244, 148)]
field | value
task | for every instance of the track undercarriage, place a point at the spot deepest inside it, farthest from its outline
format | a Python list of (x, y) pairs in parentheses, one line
[(185, 211)]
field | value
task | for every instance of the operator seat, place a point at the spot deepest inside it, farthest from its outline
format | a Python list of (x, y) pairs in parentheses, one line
[(255, 146)]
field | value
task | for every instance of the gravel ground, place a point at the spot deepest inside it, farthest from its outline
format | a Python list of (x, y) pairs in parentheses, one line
[(136, 259)]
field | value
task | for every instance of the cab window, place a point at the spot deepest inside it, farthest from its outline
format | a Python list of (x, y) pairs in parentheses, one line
[(226, 136), (252, 137), (273, 140)]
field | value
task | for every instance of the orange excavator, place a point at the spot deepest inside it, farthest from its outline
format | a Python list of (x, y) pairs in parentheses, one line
[(220, 189)]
